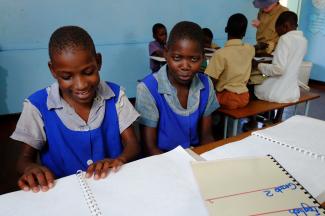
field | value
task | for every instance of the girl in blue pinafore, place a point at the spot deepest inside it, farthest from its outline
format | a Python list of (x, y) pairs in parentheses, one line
[(68, 151), (175, 104), (77, 123)]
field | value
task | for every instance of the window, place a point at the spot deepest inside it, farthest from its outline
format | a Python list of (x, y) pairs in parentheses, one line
[(293, 5), (284, 2)]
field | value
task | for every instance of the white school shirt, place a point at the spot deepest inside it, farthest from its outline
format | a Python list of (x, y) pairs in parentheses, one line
[(30, 126), (282, 84)]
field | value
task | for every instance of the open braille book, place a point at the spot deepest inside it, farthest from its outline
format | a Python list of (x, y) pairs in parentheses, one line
[(252, 186), (297, 144), (159, 185)]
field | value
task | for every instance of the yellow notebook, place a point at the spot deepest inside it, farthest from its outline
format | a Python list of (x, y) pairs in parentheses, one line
[(252, 186)]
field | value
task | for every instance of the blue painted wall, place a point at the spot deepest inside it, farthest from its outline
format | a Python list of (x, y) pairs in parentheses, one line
[(121, 31), (312, 23)]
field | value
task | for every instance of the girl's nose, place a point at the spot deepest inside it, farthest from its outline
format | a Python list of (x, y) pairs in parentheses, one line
[(80, 83), (185, 64)]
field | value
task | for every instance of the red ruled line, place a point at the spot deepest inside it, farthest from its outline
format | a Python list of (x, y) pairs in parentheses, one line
[(210, 200), (272, 212)]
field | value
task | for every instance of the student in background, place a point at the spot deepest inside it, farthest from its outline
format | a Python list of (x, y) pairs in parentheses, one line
[(230, 67), (176, 102), (77, 123), (209, 47), (156, 47), (266, 36), (208, 39), (282, 83)]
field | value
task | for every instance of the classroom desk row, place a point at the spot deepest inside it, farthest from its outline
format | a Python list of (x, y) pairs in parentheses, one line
[(207, 147)]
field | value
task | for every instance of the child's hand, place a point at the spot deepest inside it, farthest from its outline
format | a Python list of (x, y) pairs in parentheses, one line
[(256, 23), (36, 177), (101, 168)]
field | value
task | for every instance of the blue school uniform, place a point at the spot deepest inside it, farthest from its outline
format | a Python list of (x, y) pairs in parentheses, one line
[(68, 151), (175, 129)]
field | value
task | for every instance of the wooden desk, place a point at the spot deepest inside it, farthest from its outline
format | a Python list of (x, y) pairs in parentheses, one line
[(207, 147), (256, 107)]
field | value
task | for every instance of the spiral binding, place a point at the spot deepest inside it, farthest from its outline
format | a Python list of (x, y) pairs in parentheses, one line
[(301, 150), (88, 195), (297, 183)]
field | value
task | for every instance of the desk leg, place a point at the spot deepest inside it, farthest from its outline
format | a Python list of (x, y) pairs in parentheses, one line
[(225, 130), (296, 108), (307, 108), (234, 128)]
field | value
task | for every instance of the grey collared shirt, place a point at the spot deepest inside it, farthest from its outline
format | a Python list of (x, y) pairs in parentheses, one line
[(30, 126), (146, 105)]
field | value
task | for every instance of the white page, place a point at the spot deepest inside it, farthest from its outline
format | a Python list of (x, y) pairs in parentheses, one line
[(157, 185), (210, 49), (208, 55), (66, 198), (305, 133), (266, 58), (309, 171), (157, 58), (160, 185)]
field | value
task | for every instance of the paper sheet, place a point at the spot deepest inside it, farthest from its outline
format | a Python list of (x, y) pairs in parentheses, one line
[(261, 59), (66, 198), (158, 185), (156, 58), (299, 131), (161, 185)]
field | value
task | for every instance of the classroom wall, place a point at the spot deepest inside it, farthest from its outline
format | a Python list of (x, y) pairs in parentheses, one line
[(121, 31), (312, 23)]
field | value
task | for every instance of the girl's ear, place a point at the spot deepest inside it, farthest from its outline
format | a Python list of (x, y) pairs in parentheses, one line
[(50, 65), (99, 60)]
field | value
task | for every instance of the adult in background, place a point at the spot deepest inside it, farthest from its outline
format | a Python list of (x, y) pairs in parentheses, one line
[(266, 36)]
